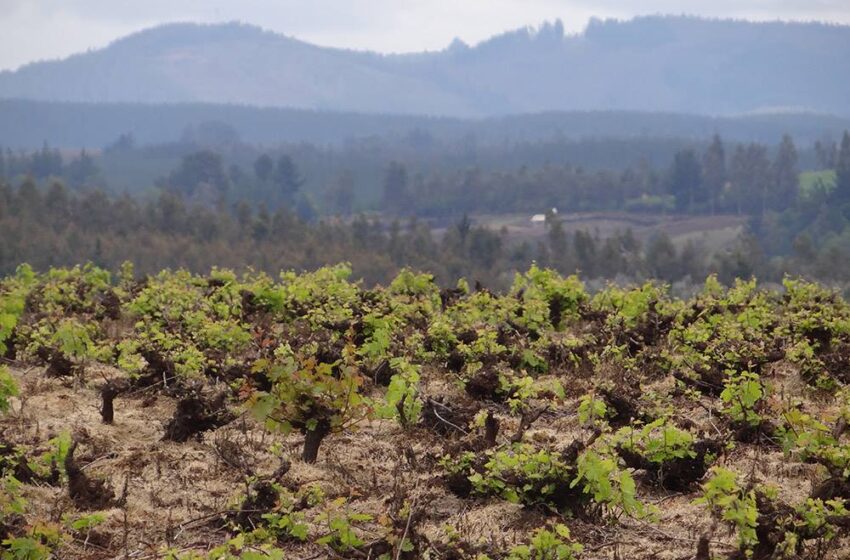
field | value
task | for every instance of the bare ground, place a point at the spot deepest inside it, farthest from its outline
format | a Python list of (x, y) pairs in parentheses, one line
[(178, 492)]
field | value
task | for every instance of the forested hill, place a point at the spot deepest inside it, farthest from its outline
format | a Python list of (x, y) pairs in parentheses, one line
[(28, 124), (676, 64)]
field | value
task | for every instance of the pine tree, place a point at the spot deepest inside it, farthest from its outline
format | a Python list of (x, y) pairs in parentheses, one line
[(714, 171), (684, 179), (199, 172), (786, 181), (558, 242), (750, 177), (29, 199), (396, 196), (287, 178), (57, 203), (825, 151), (81, 170), (263, 167), (841, 194), (341, 194)]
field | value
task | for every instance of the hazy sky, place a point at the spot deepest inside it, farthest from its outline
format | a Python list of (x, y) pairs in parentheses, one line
[(42, 29)]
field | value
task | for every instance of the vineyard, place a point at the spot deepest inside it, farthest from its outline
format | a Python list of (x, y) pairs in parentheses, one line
[(240, 416)]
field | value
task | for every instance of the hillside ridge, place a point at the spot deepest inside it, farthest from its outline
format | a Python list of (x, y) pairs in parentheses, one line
[(652, 63)]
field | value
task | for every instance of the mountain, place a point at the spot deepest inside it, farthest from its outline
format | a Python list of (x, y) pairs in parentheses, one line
[(655, 63)]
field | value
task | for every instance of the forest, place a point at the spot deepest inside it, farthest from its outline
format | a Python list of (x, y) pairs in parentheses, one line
[(207, 211)]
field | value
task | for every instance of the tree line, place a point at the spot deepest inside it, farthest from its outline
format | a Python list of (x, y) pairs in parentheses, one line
[(418, 174), (78, 171), (204, 215), (745, 179), (51, 225)]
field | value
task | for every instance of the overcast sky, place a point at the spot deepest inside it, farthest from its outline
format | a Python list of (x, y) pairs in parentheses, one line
[(43, 29)]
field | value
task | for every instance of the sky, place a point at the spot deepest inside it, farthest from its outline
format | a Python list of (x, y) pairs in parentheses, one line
[(33, 30)]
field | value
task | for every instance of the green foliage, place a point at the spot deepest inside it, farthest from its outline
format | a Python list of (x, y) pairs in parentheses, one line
[(803, 434), (311, 340), (402, 401), (485, 345), (520, 390), (322, 297), (803, 355), (724, 330), (555, 544), (521, 474), (816, 517), (12, 501), (13, 294), (526, 475), (810, 309), (66, 318), (378, 331), (628, 307), (25, 548), (340, 534), (38, 544), (733, 504), (85, 523), (419, 287), (480, 309), (305, 394), (75, 289), (809, 439), (658, 441), (75, 339), (54, 457), (742, 394), (817, 183), (284, 522), (286, 525), (441, 337), (240, 547), (600, 476), (592, 411), (533, 362), (190, 322), (8, 389), (542, 289)]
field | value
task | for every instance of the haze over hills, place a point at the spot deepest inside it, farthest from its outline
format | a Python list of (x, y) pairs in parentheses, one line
[(28, 124), (671, 64)]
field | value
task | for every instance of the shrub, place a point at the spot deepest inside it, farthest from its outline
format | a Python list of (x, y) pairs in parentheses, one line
[(8, 389), (310, 397)]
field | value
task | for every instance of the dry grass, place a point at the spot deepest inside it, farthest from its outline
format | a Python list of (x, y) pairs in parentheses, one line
[(176, 492)]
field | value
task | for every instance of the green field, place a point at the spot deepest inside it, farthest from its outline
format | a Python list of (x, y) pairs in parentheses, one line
[(812, 182)]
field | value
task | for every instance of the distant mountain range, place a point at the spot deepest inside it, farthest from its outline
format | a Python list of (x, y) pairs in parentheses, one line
[(670, 64)]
